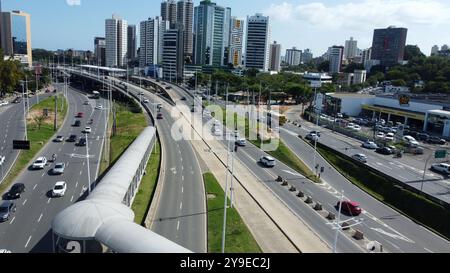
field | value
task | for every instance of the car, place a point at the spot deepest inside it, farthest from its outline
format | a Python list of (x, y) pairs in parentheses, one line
[(349, 207), (360, 157), (146, 101), (183, 99), (312, 137), (80, 115), (86, 102), (370, 145), (99, 107), (17, 100), (356, 128), (16, 191), (159, 106), (380, 135), (436, 140), (59, 168), (77, 123), (159, 116), (389, 137), (384, 151), (423, 137), (72, 138), (217, 132), (351, 126), (82, 142), (7, 208), (441, 168), (59, 139), (268, 161), (4, 251), (193, 110), (59, 190), (87, 130), (40, 163), (411, 141), (319, 134), (241, 142)]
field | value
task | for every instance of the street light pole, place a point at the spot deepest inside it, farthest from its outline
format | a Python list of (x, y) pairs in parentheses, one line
[(88, 166), (24, 112), (315, 139), (225, 200), (338, 228), (424, 172)]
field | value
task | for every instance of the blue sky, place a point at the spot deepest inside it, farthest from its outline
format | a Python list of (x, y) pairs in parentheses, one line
[(305, 24)]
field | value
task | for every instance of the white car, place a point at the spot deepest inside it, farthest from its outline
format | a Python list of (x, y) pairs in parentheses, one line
[(217, 132), (146, 101), (412, 141), (59, 168), (87, 130), (241, 142), (59, 190), (99, 107), (4, 251), (390, 137), (441, 167), (268, 161), (380, 135), (356, 128), (40, 163), (370, 145), (360, 157)]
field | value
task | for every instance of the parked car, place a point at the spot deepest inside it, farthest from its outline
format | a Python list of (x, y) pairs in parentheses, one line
[(7, 208), (59, 168), (384, 151), (16, 191), (360, 157), (370, 145), (356, 128), (422, 137), (411, 141), (349, 207), (59, 139), (389, 137), (380, 135), (72, 138), (40, 163), (441, 168), (59, 190), (437, 140), (268, 161)]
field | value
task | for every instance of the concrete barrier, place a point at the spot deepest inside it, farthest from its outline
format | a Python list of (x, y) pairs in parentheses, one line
[(345, 226), (293, 189), (279, 179), (318, 207), (285, 183), (374, 247), (301, 194), (358, 235), (331, 216), (308, 200)]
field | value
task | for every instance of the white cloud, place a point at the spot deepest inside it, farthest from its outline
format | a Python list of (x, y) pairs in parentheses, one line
[(366, 14), (73, 2)]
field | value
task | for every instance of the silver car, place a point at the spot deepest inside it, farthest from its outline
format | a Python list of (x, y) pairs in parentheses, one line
[(6, 209), (59, 168)]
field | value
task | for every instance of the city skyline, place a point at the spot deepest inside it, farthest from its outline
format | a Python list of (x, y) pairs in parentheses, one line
[(334, 27)]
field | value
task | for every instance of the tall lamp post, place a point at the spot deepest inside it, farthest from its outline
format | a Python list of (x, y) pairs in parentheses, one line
[(316, 85)]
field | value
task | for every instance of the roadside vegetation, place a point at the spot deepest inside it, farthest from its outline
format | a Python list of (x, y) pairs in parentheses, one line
[(238, 237), (40, 130)]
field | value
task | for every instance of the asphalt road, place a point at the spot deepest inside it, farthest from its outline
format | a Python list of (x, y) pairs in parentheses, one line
[(396, 232), (12, 127), (28, 230)]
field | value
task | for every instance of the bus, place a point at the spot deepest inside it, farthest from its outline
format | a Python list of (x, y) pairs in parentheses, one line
[(96, 94)]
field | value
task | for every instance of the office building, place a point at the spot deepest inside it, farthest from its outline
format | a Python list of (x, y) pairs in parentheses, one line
[(336, 55), (307, 56), (275, 57), (209, 23), (16, 36), (293, 56), (389, 45), (359, 76), (257, 42), (169, 12), (116, 42), (434, 50), (226, 35), (132, 43), (151, 41), (351, 49), (236, 41), (185, 17), (172, 57), (100, 51)]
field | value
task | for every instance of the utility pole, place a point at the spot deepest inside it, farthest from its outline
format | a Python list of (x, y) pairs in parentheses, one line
[(28, 97), (88, 166), (56, 113), (24, 112), (225, 200)]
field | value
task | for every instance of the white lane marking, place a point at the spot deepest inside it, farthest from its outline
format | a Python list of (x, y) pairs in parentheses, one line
[(182, 178), (76, 185), (428, 250), (178, 225), (71, 199), (394, 245), (29, 239), (24, 202), (81, 172), (397, 236), (402, 177), (292, 173), (14, 218), (40, 217), (43, 174), (34, 187), (181, 206), (182, 189), (48, 201)]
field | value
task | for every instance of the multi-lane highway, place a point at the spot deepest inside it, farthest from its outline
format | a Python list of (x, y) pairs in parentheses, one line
[(28, 230), (396, 232)]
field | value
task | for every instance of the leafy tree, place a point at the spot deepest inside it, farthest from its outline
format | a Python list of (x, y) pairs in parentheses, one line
[(324, 66), (412, 51), (352, 67)]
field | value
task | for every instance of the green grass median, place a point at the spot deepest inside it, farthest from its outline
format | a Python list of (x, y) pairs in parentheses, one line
[(40, 129), (238, 237)]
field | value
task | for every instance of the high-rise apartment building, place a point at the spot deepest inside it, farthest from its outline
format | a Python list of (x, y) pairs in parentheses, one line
[(132, 43), (226, 35), (100, 51), (209, 24), (336, 56), (307, 56), (351, 49), (151, 41), (293, 56), (275, 56), (169, 12), (236, 41), (185, 17), (257, 42), (15, 29), (389, 45), (172, 57), (116, 42), (434, 50)]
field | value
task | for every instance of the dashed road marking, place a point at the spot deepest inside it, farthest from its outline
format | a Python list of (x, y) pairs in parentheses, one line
[(34, 187), (14, 218), (40, 217), (24, 202), (29, 239)]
